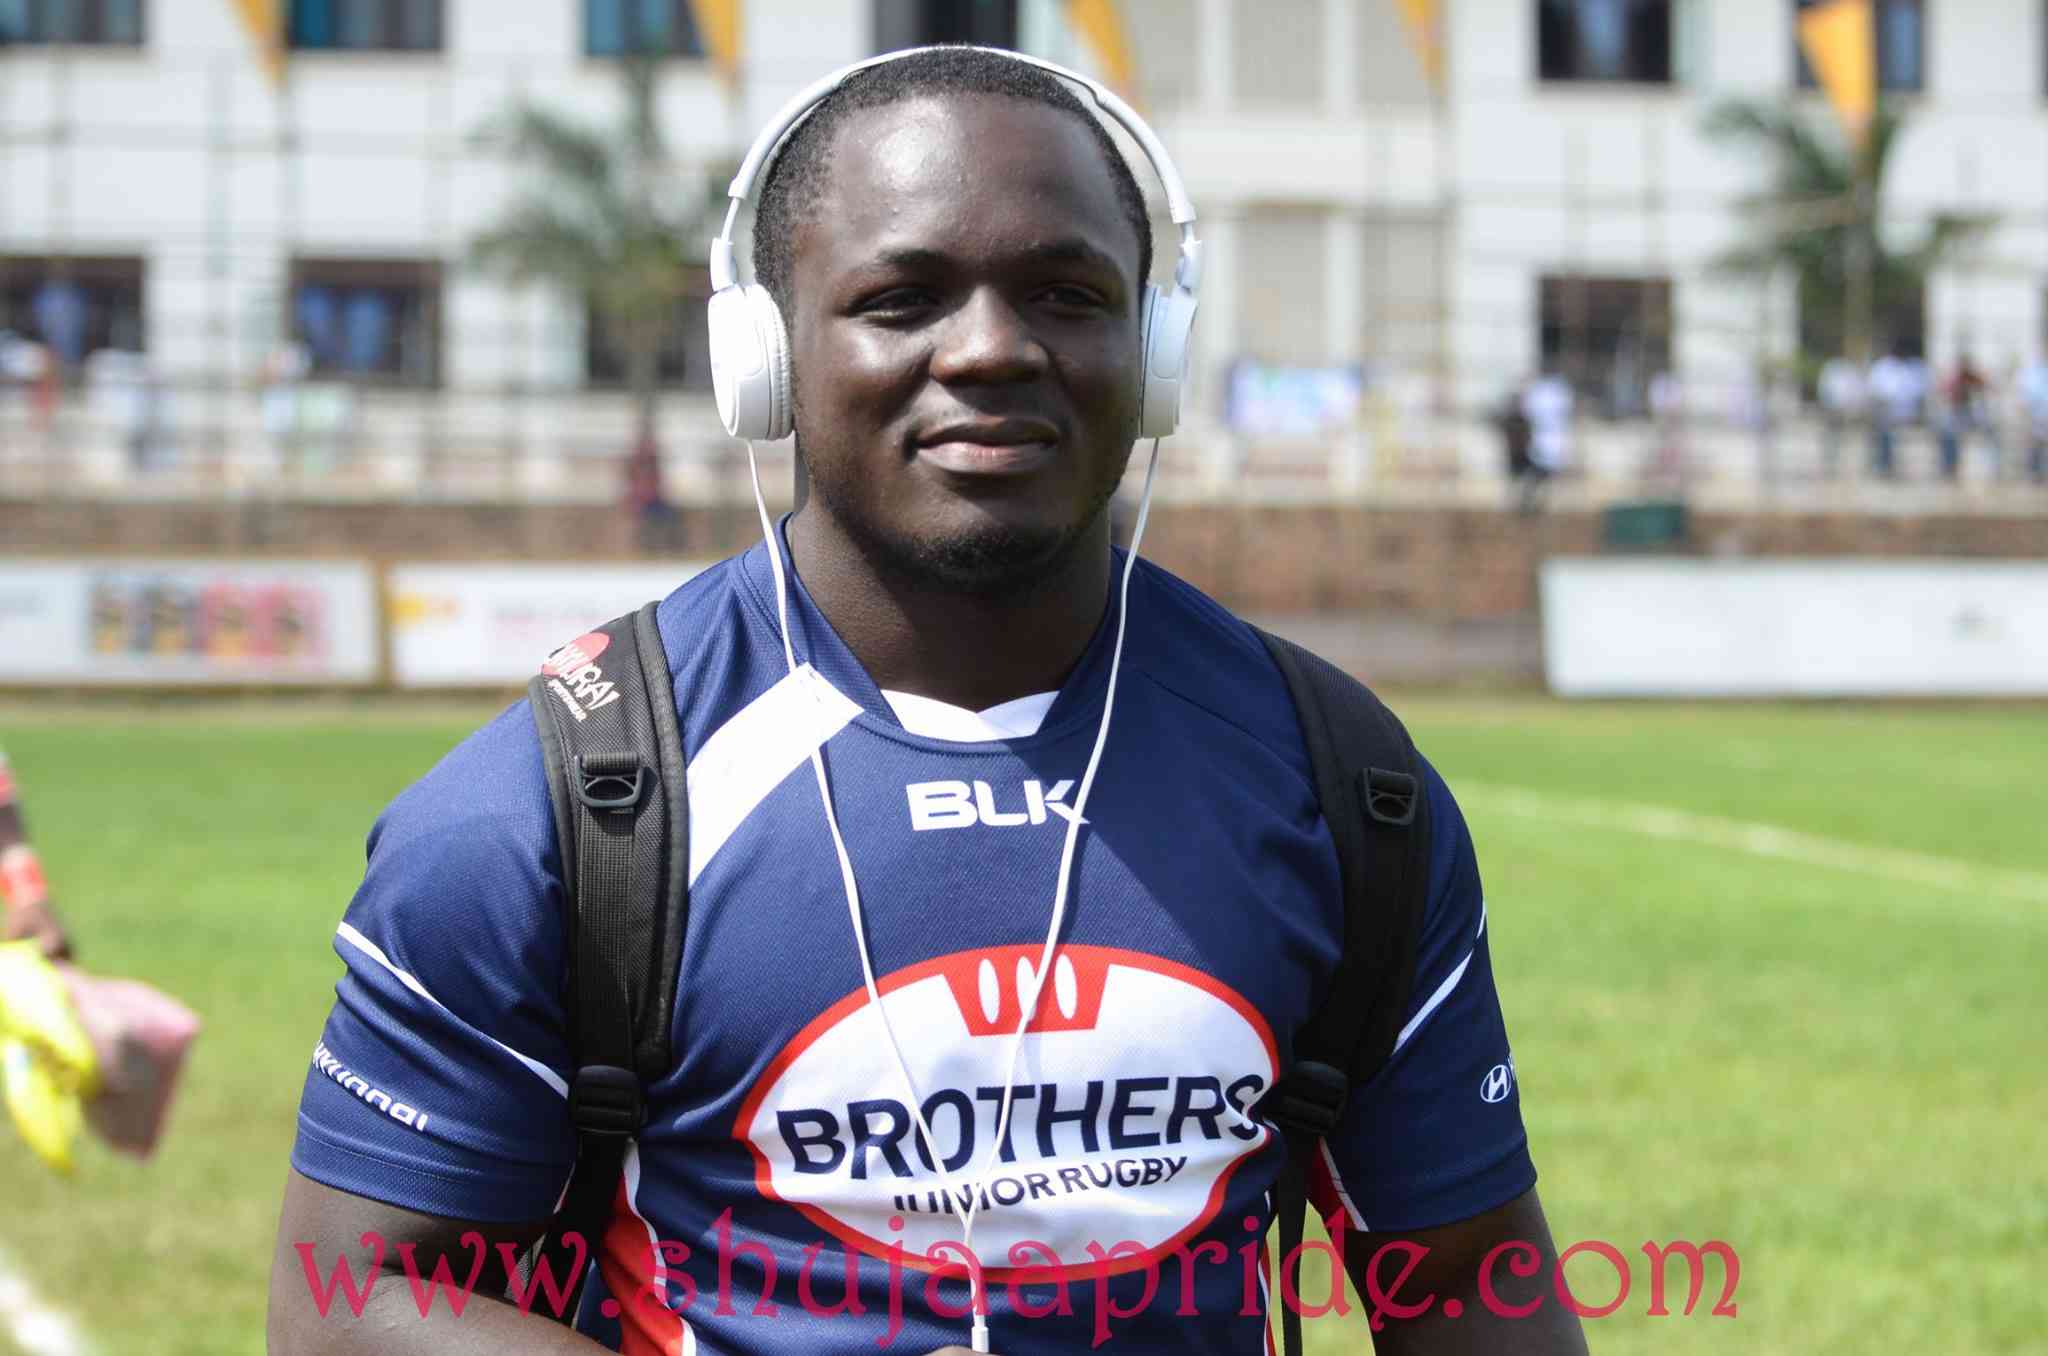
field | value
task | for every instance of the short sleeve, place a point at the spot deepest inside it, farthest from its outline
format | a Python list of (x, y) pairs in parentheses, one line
[(1437, 1136), (437, 1084)]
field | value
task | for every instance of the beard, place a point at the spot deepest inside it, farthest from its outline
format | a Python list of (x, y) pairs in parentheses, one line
[(988, 559)]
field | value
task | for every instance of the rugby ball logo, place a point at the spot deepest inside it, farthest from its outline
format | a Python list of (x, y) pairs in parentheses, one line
[(1131, 1111)]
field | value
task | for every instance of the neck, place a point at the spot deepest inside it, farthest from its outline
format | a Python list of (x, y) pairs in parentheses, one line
[(968, 649)]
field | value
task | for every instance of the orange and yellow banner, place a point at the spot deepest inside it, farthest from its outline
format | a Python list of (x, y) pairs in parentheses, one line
[(265, 21), (1839, 38), (1101, 27), (1425, 35), (718, 25)]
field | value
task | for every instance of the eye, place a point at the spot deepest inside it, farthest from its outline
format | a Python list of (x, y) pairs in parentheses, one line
[(896, 303), (1072, 297)]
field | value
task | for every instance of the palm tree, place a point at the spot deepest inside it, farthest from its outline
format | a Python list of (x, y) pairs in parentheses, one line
[(1821, 219), (605, 216)]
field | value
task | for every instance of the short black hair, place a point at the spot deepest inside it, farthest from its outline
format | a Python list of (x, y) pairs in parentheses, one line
[(796, 177)]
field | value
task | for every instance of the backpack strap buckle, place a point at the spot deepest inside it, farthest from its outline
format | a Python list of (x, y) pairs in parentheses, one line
[(606, 1100), (608, 781), (1389, 796), (1309, 1097)]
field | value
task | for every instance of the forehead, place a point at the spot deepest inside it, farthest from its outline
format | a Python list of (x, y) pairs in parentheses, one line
[(963, 173)]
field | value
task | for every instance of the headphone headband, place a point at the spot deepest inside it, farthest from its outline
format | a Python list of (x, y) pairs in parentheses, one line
[(750, 356), (1189, 271)]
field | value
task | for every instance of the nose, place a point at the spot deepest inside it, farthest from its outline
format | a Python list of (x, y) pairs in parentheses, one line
[(986, 342)]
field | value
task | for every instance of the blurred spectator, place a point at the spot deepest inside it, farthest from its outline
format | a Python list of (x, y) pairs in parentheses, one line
[(1667, 413), (1965, 409), (1842, 403), (655, 521), (1514, 441), (125, 393), (1898, 389), (1547, 404), (2033, 392), (283, 370)]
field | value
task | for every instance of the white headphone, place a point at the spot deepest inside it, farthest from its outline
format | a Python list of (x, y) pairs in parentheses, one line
[(750, 342)]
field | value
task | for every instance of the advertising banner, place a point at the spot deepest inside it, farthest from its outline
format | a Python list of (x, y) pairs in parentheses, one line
[(183, 622), (491, 625), (1809, 628)]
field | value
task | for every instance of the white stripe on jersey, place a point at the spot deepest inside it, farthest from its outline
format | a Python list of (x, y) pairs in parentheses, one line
[(1337, 1185), (376, 953), (1443, 990), (749, 756)]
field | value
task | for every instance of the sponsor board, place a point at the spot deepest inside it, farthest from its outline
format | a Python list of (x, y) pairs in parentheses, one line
[(486, 625), (1128, 1117), (187, 622), (1818, 628)]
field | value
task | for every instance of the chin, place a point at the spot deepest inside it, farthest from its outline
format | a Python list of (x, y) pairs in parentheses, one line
[(990, 557)]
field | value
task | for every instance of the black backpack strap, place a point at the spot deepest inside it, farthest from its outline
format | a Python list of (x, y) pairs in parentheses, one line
[(604, 707), (1369, 782)]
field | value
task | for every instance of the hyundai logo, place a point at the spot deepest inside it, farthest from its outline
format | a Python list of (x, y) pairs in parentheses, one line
[(1499, 1082)]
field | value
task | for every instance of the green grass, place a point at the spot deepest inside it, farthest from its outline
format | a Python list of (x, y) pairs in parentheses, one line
[(1837, 1071)]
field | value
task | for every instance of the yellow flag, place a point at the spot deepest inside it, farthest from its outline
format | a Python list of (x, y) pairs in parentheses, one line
[(1840, 41), (265, 21), (1102, 28), (1421, 16), (718, 24)]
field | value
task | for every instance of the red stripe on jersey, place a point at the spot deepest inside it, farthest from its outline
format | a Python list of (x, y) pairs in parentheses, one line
[(636, 1275)]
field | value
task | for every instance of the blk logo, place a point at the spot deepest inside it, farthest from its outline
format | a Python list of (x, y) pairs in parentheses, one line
[(962, 805), (1498, 1083)]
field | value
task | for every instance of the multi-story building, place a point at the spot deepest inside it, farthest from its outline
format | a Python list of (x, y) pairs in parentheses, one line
[(1385, 251)]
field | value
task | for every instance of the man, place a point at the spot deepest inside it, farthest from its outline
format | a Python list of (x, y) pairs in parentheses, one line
[(958, 250), (2033, 391), (1547, 404), (1842, 399), (1897, 391)]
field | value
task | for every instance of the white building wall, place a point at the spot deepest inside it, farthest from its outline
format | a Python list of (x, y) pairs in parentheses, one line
[(1295, 110)]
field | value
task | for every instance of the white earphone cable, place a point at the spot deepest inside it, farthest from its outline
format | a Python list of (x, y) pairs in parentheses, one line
[(1028, 1002)]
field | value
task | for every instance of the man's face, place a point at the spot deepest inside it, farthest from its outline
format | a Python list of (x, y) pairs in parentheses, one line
[(964, 336)]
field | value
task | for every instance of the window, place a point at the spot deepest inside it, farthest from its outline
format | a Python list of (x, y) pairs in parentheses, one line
[(100, 23), (373, 319), (915, 23), (365, 25), (75, 306), (1608, 336), (685, 361), (1604, 40), (656, 27), (1281, 319), (1901, 46)]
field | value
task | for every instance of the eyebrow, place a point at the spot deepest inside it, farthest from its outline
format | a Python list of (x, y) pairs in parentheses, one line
[(1067, 250)]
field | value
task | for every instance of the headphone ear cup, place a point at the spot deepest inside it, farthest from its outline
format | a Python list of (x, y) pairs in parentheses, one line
[(781, 416), (749, 363), (1168, 325)]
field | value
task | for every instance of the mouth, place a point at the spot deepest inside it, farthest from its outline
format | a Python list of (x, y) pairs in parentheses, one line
[(995, 447)]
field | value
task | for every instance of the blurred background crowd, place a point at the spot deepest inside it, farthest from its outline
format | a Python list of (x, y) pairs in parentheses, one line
[(420, 249)]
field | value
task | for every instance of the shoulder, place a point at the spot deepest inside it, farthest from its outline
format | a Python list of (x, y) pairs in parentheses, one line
[(477, 825), (1192, 649)]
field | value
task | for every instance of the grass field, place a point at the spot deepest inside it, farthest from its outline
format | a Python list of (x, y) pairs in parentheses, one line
[(1776, 975)]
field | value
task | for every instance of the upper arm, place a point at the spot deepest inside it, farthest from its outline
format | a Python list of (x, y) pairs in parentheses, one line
[(438, 1084), (1437, 1135), (335, 1274)]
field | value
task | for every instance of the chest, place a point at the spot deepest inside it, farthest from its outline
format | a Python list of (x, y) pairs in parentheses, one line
[(1200, 923)]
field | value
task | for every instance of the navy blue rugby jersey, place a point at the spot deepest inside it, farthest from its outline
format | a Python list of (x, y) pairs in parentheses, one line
[(780, 1156)]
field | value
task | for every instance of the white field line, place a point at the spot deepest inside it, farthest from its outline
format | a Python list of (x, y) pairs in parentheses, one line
[(34, 1326), (1766, 840)]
